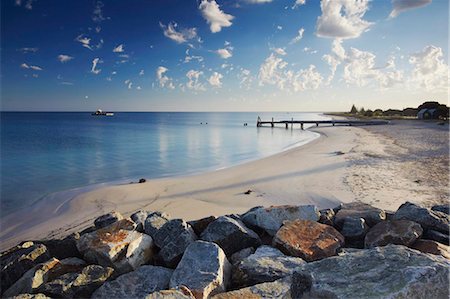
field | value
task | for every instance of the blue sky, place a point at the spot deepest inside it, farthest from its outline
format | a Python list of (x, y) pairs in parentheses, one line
[(241, 55)]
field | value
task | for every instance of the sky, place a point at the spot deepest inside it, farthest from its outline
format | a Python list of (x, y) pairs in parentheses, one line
[(223, 55)]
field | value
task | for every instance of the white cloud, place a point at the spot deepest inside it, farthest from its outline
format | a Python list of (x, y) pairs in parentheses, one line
[(245, 78), (119, 49), (258, 1), (271, 71), (28, 50), (279, 27), (335, 58), (189, 57), (298, 3), (342, 18), (128, 83), (141, 73), (214, 16), (430, 70), (164, 80), (181, 36), (298, 37), (309, 50), (97, 14), (32, 67), (399, 6), (27, 4), (94, 69), (215, 78), (224, 53), (280, 51), (64, 58), (85, 41), (193, 82)]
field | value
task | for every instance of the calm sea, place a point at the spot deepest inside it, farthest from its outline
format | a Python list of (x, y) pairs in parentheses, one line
[(42, 153)]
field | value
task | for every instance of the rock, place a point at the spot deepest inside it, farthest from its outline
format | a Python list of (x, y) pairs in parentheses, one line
[(427, 218), (117, 245), (279, 289), (142, 181), (241, 254), (327, 216), (42, 273), (107, 219), (358, 210), (78, 285), (308, 240), (139, 218), (63, 248), (400, 232), (137, 284), (265, 265), (393, 271), (173, 239), (18, 260), (182, 293), (31, 296), (433, 247), (231, 235), (200, 225), (271, 219), (154, 222), (204, 269), (354, 230), (441, 208), (436, 236)]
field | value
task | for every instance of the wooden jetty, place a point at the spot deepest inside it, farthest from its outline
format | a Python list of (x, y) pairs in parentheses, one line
[(291, 122)]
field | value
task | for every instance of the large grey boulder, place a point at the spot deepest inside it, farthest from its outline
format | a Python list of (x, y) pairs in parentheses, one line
[(137, 284), (393, 271), (118, 246), (154, 222), (230, 234), (139, 218), (279, 289), (201, 224), (241, 254), (427, 218), (18, 260), (182, 293), (400, 232), (265, 265), (173, 238), (107, 219), (354, 231), (31, 296), (204, 270), (437, 236), (358, 210), (272, 218)]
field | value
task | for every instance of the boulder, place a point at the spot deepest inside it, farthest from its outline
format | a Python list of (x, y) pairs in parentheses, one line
[(327, 216), (77, 285), (201, 224), (427, 218), (308, 240), (279, 289), (354, 230), (31, 296), (271, 219), (137, 284), (400, 232), (265, 265), (182, 293), (118, 246), (393, 271), (42, 273), (436, 236), (441, 208), (433, 247), (358, 210), (63, 248), (18, 260), (241, 254), (107, 219), (173, 239), (139, 218), (154, 222), (204, 270), (231, 235)]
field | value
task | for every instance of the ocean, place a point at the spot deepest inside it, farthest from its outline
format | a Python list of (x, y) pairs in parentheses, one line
[(47, 152)]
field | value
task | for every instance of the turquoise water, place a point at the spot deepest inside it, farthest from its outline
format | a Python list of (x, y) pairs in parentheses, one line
[(43, 153)]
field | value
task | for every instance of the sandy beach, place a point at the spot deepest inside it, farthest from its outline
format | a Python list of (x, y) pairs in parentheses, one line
[(344, 164)]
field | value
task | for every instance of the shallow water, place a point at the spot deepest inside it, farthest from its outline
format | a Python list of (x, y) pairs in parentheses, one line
[(42, 153)]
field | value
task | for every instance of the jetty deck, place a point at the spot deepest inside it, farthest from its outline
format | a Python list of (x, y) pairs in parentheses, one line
[(291, 122)]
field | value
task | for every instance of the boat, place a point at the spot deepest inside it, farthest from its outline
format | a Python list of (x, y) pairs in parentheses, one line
[(99, 112)]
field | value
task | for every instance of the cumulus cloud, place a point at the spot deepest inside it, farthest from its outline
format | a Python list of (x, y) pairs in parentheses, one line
[(94, 69), (399, 6), (258, 1), (64, 58), (215, 78), (85, 41), (28, 50), (32, 67), (163, 79), (335, 58), (119, 49), (298, 3), (190, 58), (214, 16), (280, 51), (342, 18), (246, 78), (194, 80), (430, 70), (128, 83), (181, 36), (224, 53), (298, 37), (141, 73)]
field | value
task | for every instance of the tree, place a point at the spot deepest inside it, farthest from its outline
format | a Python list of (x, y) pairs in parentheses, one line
[(362, 111), (353, 110)]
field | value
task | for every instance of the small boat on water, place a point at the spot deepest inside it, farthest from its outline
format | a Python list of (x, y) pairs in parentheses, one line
[(99, 112)]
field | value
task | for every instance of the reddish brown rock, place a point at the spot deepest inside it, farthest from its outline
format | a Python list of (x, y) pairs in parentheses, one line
[(399, 232), (433, 247), (309, 240)]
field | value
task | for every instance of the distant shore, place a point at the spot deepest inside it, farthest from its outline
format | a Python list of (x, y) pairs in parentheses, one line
[(345, 164)]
